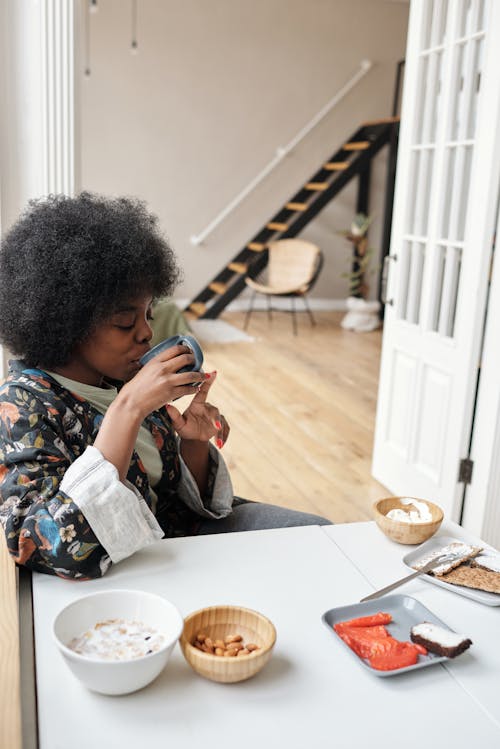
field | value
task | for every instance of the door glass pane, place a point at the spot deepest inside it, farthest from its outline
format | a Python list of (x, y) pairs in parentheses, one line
[(454, 296), (472, 17), (412, 190), (438, 31), (429, 96), (474, 88), (403, 277), (438, 287), (467, 18), (458, 167), (421, 93), (422, 188), (447, 194), (449, 295), (428, 13), (466, 86), (458, 92), (436, 101), (463, 194), (481, 15), (415, 275)]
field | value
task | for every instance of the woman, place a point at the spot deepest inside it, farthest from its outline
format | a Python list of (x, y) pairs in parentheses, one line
[(96, 461)]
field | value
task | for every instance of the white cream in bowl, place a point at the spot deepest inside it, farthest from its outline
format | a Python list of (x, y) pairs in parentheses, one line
[(419, 514)]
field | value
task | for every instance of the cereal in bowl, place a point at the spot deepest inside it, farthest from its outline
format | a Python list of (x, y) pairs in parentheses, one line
[(117, 640)]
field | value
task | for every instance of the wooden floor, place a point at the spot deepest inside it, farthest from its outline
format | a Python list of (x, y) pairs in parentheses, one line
[(302, 413)]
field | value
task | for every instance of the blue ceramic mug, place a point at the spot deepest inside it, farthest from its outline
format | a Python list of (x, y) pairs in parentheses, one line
[(177, 340)]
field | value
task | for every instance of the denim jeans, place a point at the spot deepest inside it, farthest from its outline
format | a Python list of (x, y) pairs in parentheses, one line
[(256, 516)]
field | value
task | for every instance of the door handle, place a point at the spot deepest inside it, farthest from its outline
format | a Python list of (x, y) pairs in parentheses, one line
[(385, 273)]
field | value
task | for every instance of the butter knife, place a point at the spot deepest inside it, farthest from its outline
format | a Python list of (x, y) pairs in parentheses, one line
[(426, 568)]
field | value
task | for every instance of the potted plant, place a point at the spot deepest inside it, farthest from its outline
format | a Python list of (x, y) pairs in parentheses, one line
[(362, 315)]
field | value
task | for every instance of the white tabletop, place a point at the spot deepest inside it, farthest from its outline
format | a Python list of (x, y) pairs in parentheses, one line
[(379, 560), (312, 693)]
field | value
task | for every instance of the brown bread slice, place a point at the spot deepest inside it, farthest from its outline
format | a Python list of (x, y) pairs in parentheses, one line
[(473, 577)]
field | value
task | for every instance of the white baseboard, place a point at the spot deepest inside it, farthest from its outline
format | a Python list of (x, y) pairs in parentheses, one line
[(277, 303)]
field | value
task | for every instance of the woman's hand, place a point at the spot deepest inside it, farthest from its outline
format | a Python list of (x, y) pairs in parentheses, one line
[(196, 426), (160, 382), (200, 421)]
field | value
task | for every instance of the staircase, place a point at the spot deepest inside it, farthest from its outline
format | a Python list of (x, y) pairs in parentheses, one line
[(351, 160)]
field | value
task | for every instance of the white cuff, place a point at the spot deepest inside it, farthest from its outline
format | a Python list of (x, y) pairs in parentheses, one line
[(118, 514), (219, 506)]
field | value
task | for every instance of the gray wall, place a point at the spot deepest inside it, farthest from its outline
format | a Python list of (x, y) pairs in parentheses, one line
[(216, 87)]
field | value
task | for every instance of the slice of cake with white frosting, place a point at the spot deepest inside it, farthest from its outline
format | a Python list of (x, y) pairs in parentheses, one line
[(439, 640)]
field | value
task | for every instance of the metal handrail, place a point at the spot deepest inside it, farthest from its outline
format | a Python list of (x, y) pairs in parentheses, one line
[(282, 151)]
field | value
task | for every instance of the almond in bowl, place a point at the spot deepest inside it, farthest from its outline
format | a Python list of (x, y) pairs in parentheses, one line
[(227, 643)]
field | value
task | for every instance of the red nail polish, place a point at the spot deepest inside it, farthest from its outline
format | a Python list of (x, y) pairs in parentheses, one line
[(218, 425), (207, 375), (219, 443)]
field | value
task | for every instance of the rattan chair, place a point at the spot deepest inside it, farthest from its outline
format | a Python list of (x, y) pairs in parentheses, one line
[(293, 268)]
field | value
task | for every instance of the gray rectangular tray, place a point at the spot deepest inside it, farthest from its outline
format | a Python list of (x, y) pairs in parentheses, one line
[(405, 611), (435, 543)]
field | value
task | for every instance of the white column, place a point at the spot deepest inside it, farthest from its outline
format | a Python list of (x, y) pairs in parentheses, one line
[(37, 88), (57, 67)]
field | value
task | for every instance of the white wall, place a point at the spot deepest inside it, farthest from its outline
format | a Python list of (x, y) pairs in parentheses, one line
[(216, 87), (21, 131)]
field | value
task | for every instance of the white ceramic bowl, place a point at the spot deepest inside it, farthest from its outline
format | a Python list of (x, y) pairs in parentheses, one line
[(117, 677)]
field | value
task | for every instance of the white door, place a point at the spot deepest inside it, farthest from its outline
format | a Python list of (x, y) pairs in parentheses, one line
[(444, 213)]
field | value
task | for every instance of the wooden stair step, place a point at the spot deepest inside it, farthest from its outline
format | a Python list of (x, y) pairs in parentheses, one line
[(238, 267), (316, 186), (383, 121), (218, 287), (277, 226), (198, 308), (336, 166), (297, 206), (256, 246), (360, 145)]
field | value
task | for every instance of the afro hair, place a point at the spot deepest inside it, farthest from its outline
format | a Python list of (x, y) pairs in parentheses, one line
[(69, 263)]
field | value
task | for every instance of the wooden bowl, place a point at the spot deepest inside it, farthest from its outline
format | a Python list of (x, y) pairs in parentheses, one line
[(218, 622), (401, 532)]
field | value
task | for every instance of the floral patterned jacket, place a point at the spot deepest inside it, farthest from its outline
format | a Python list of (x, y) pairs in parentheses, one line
[(46, 435)]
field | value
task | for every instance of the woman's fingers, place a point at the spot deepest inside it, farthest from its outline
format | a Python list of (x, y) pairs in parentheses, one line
[(201, 395), (200, 420), (172, 353), (178, 420), (172, 359), (223, 431), (181, 390)]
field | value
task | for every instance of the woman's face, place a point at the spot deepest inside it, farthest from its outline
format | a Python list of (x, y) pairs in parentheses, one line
[(114, 348)]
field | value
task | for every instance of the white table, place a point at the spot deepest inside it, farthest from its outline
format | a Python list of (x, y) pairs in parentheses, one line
[(312, 693)]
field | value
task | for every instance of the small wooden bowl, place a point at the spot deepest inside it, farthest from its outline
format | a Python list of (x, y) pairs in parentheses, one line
[(218, 622), (401, 532)]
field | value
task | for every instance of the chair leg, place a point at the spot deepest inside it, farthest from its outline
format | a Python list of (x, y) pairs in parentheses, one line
[(269, 310), (313, 321), (294, 317), (249, 311)]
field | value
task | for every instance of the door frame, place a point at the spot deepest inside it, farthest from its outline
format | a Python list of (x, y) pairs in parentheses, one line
[(481, 511)]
